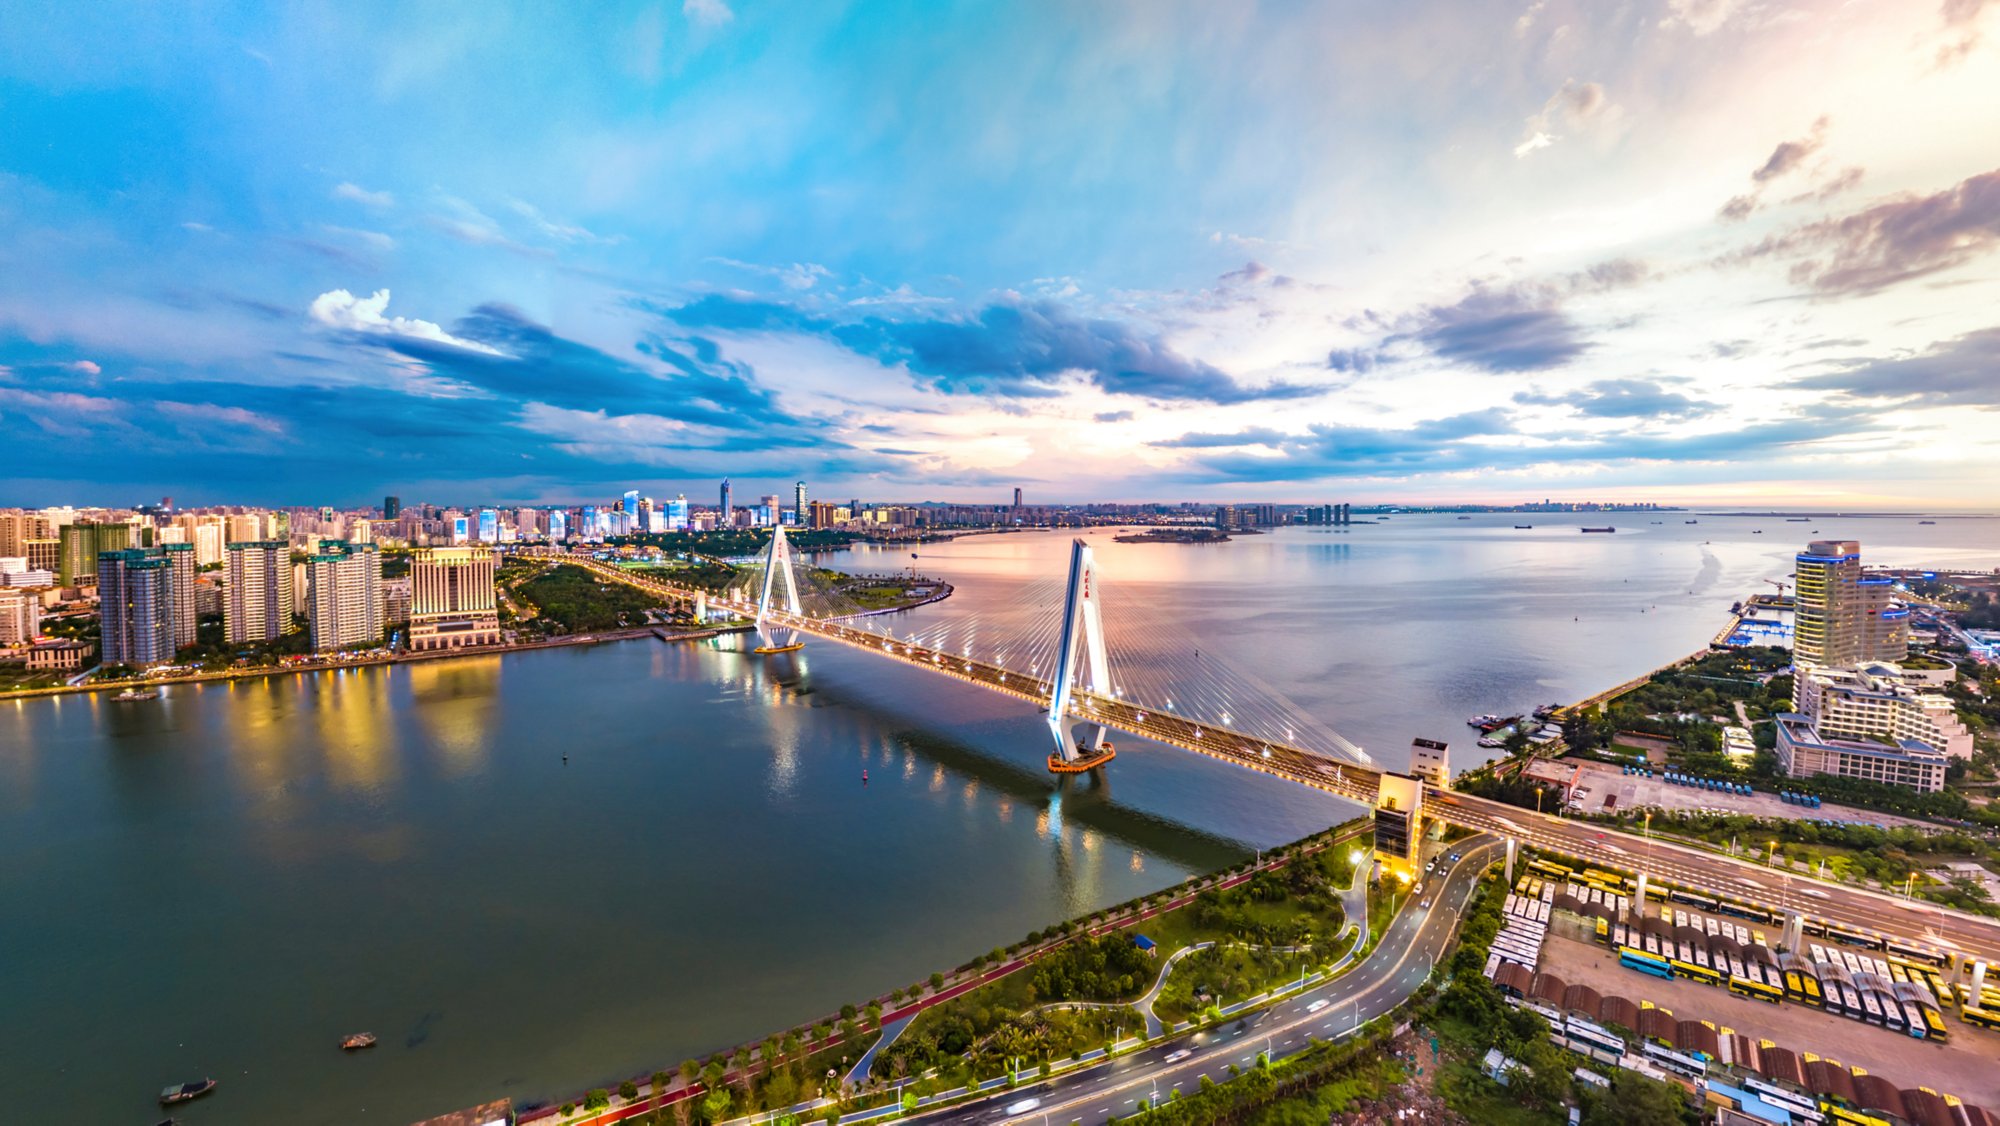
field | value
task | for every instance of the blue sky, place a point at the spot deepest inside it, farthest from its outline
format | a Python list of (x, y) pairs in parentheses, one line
[(1674, 249)]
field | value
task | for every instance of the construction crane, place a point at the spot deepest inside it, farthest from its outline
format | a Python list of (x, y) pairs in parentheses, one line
[(1780, 584)]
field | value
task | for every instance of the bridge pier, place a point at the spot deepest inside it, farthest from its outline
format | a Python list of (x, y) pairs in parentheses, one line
[(1978, 983), (1794, 932), (1081, 622), (1639, 894), (1512, 847)]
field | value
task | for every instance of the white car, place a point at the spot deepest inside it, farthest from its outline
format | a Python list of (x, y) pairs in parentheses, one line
[(1316, 1005), (1176, 1057), (1022, 1107)]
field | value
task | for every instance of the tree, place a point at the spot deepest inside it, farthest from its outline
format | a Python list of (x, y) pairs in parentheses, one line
[(937, 980), (596, 1098), (1633, 1098), (628, 1090), (715, 1107), (689, 1069), (847, 1011), (660, 1081)]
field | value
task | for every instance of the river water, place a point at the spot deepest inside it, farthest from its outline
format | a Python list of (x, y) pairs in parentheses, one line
[(224, 881)]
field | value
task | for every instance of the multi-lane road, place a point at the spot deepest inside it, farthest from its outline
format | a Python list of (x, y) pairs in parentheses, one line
[(1859, 908), (1415, 941)]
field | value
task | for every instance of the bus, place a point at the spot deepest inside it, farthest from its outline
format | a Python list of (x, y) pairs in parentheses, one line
[(1645, 963), (1848, 1117), (1693, 899), (1550, 869), (1853, 937), (1676, 1062), (1744, 987), (1910, 955), (1694, 972), (1609, 881), (1982, 1018), (1594, 1040), (1802, 1108)]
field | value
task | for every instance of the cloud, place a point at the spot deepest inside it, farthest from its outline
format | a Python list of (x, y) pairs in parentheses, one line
[(1847, 180), (1892, 241), (1960, 20), (1622, 398), (1012, 348), (798, 276), (1575, 105), (707, 13), (354, 193), (1351, 359), (83, 367), (1520, 326), (339, 309), (1112, 416), (1254, 436), (374, 239), (561, 232), (1790, 154), (1703, 17), (1961, 372), (209, 414)]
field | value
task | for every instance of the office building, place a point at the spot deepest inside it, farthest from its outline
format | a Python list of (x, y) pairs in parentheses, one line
[(344, 595), (392, 507), (799, 503), (1399, 805), (558, 525), (1804, 751), (1017, 496), (677, 513), (257, 599), (452, 603), (143, 597), (726, 509), (489, 526), (17, 529), (243, 527), (20, 617), (631, 502), (82, 544), (1843, 617), (1430, 763), (1878, 700)]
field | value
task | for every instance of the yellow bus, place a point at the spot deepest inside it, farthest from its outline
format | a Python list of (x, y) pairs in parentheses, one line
[(1744, 987), (1984, 1018), (1550, 869), (1694, 972)]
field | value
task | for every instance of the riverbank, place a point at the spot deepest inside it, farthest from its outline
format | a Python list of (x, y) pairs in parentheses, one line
[(371, 660)]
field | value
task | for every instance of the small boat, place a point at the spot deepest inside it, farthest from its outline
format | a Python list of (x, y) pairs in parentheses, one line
[(1926, 521), (1607, 529), (1523, 526), (1690, 521), (181, 1093), (1797, 519), (131, 694), (768, 649), (1756, 531), (357, 1041), (1465, 518)]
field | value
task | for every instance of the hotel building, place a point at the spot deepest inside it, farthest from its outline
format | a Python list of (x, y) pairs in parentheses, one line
[(452, 602)]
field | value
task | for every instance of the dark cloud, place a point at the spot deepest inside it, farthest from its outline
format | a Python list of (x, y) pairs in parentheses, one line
[(1890, 242), (1846, 181), (1351, 359), (1790, 154), (1738, 208), (1960, 372), (1517, 327), (1622, 398), (1019, 350), (1112, 416)]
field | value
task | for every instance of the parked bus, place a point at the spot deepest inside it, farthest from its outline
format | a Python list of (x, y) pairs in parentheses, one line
[(1983, 1018), (1744, 987), (1854, 937), (1643, 962), (1550, 869), (1910, 955), (1694, 972)]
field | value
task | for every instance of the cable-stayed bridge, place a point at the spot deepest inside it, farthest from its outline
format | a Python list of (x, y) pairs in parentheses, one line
[(1092, 663)]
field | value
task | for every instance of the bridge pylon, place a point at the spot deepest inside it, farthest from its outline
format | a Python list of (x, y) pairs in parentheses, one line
[(777, 559), (1082, 626)]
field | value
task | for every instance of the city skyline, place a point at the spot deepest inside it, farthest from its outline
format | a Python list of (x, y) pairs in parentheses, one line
[(1694, 251)]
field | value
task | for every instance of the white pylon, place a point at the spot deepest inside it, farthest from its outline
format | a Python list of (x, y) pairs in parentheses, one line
[(778, 558), (1080, 615)]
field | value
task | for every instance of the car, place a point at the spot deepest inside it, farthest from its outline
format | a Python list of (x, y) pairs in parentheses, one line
[(1424, 905), (1454, 858), (1022, 1107), (1178, 1055), (1316, 1005)]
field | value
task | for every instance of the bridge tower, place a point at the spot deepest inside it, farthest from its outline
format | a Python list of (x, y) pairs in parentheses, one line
[(1081, 616), (778, 559)]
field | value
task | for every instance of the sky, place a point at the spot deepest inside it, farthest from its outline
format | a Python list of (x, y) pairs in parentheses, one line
[(1723, 251)]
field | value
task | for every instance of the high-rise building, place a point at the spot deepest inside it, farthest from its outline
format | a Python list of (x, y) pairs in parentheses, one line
[(257, 600), (726, 508), (1843, 617), (1430, 763), (344, 595), (631, 502), (81, 546), (142, 597), (1017, 496), (244, 527), (20, 616), (677, 513), (558, 525), (799, 503), (17, 528), (1877, 700), (452, 603), (489, 526), (180, 557), (392, 507)]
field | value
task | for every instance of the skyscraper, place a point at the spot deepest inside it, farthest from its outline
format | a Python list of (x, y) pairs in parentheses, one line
[(1017, 497), (392, 507), (632, 504), (142, 597), (344, 595), (1843, 617), (677, 513), (724, 522), (798, 504), (452, 602), (81, 546), (257, 602), (558, 525), (489, 526)]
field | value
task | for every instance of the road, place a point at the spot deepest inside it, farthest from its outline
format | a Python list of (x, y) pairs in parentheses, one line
[(1860, 908), (1413, 944)]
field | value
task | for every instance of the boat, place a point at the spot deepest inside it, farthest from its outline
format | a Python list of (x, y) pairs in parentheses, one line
[(768, 649), (1756, 531), (1465, 518), (357, 1041), (1690, 521), (1926, 521), (182, 1092), (1520, 527), (1797, 519), (1492, 722), (1607, 529), (131, 694), (1489, 741), (1086, 759)]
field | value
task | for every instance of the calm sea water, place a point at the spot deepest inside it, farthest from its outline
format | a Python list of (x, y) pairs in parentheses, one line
[(224, 881)]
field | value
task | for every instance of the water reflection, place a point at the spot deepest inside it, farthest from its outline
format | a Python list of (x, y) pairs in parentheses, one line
[(460, 704)]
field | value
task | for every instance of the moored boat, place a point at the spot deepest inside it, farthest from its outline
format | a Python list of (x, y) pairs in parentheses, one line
[(357, 1041), (1085, 761), (1600, 529), (182, 1092), (769, 649), (134, 694)]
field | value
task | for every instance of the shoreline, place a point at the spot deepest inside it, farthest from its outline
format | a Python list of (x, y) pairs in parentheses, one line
[(407, 658)]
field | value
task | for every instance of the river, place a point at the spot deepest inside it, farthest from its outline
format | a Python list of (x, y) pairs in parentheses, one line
[(223, 881)]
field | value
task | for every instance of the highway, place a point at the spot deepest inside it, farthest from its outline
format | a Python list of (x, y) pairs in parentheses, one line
[(1413, 944), (1867, 910)]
